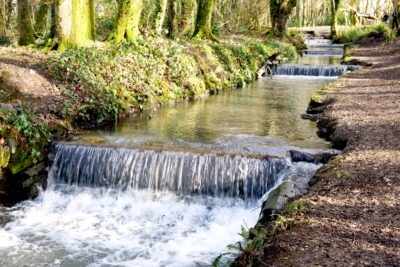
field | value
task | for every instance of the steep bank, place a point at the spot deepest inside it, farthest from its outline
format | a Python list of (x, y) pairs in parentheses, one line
[(351, 214), (44, 96)]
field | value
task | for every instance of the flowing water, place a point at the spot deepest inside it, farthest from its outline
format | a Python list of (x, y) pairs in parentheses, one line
[(166, 188)]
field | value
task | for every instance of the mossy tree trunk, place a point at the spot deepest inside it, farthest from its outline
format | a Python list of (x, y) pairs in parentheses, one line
[(3, 7), (170, 18), (25, 28), (161, 10), (280, 12), (181, 18), (334, 10), (127, 21), (73, 22), (9, 11), (41, 18), (203, 28)]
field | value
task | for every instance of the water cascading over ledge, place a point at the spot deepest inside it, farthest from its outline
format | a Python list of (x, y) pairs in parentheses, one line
[(184, 173), (309, 70)]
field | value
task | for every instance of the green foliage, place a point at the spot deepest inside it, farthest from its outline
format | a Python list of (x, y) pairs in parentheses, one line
[(354, 34), (31, 133), (255, 240), (106, 18), (105, 83)]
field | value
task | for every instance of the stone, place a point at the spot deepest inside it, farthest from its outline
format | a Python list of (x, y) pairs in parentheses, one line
[(317, 158), (35, 170), (276, 200)]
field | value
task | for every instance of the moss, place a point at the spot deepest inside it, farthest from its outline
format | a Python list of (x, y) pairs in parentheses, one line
[(294, 207), (203, 29), (25, 28), (19, 161), (161, 8), (128, 21), (318, 97), (5, 155), (41, 18)]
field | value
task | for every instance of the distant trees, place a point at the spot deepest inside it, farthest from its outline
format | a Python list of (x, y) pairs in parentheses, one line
[(62, 23), (280, 12)]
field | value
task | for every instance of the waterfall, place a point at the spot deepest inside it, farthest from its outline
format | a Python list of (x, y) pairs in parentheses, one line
[(318, 41), (184, 173), (309, 70), (322, 52), (326, 46)]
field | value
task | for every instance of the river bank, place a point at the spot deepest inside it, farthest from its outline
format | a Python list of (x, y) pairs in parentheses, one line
[(45, 96), (351, 214)]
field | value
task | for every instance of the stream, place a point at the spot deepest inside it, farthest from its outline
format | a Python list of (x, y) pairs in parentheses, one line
[(172, 187)]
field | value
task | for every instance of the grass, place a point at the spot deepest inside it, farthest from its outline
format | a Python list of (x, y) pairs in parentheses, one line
[(353, 34)]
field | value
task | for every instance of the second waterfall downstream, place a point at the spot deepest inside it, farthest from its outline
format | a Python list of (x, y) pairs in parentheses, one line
[(171, 187)]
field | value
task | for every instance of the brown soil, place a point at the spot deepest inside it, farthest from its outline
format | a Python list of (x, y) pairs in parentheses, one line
[(353, 217), (23, 82)]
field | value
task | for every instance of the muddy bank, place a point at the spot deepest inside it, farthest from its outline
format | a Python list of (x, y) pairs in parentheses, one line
[(351, 214)]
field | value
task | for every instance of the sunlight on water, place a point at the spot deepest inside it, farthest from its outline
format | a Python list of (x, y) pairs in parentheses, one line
[(166, 188)]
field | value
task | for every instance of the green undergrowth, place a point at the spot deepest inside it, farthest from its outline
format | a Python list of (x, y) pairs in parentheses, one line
[(103, 84), (99, 85), (27, 135), (255, 240), (353, 34)]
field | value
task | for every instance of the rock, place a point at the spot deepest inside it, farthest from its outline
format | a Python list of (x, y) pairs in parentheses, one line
[(276, 200), (219, 70), (339, 139), (317, 158), (35, 170), (310, 117)]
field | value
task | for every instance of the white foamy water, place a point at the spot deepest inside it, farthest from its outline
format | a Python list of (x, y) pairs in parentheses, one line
[(72, 226)]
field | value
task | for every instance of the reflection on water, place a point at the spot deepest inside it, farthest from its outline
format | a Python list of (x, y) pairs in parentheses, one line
[(268, 107), (319, 60)]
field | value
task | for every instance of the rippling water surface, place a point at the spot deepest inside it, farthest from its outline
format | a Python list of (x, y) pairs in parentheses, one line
[(97, 222)]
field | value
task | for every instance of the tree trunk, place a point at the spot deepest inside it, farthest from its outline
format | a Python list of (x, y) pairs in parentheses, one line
[(203, 28), (334, 9), (161, 10), (9, 10), (73, 22), (41, 18), (128, 21), (170, 17), (3, 8), (25, 28), (280, 11)]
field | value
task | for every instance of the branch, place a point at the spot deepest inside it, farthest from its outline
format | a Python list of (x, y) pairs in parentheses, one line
[(362, 15)]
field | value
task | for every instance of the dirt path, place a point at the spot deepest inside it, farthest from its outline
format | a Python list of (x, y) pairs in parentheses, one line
[(354, 212)]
